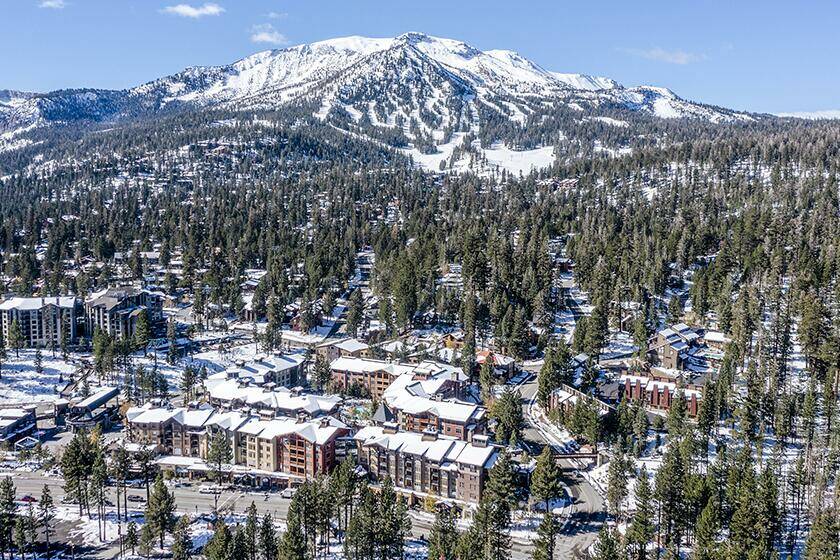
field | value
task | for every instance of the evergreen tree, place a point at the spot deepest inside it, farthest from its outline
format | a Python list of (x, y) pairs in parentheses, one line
[(545, 480), (546, 538), (443, 538), (292, 543), (607, 546), (15, 337), (642, 528), (142, 331), (617, 481), (46, 516), (160, 510), (219, 546), (219, 453), (268, 539), (132, 539), (823, 542), (182, 541)]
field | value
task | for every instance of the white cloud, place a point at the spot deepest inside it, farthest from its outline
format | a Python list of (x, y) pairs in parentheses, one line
[(276, 15), (194, 12), (662, 55), (53, 4), (265, 33)]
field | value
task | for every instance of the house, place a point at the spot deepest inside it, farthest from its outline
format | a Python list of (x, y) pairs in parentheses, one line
[(426, 464), (285, 370), (115, 310), (504, 366), (672, 345), (660, 394), (44, 321), (332, 349)]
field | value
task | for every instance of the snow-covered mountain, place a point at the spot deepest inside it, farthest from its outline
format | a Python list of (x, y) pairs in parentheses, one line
[(412, 91)]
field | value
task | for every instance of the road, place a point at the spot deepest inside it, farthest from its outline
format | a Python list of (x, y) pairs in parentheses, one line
[(588, 515)]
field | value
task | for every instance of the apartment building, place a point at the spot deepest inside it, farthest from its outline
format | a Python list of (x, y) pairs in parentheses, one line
[(237, 394), (426, 464), (377, 375), (283, 445), (425, 404), (43, 321), (116, 310)]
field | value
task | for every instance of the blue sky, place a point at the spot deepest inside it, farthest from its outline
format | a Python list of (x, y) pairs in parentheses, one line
[(754, 55)]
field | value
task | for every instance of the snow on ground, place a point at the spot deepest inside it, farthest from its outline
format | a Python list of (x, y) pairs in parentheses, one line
[(20, 382), (498, 156), (619, 345)]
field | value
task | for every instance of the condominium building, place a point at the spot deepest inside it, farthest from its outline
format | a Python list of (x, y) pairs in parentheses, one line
[(116, 310), (422, 465), (43, 321)]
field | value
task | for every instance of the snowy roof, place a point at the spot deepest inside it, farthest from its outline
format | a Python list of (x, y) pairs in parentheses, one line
[(366, 365), (318, 432), (281, 398), (35, 303), (439, 450), (413, 397)]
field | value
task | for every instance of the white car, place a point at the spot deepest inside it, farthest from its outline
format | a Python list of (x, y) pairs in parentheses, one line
[(288, 492)]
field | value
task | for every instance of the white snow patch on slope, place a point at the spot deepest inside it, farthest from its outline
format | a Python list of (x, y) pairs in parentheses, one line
[(813, 115)]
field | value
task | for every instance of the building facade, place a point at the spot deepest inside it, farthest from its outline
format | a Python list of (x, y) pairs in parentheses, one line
[(116, 310), (43, 322), (422, 465)]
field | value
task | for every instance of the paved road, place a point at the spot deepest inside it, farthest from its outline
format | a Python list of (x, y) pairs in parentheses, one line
[(588, 515)]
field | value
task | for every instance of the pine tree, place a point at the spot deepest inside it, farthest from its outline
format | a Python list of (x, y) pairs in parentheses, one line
[(39, 361), (142, 331), (706, 533), (219, 453), (218, 548), (355, 312), (823, 542), (8, 508), (292, 542), (546, 538), (15, 337), (251, 531), (160, 510), (182, 541), (146, 542), (641, 529), (545, 480), (46, 516), (3, 354), (443, 538), (21, 537), (132, 539), (607, 546), (617, 481), (267, 539)]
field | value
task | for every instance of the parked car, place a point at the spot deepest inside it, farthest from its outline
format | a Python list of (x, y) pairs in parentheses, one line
[(29, 499), (136, 498), (288, 492)]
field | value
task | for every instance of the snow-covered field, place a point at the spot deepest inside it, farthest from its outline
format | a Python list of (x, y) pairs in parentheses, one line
[(20, 382)]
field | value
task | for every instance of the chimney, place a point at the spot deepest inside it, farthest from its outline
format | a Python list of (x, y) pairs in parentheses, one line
[(429, 434), (479, 440), (390, 428)]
